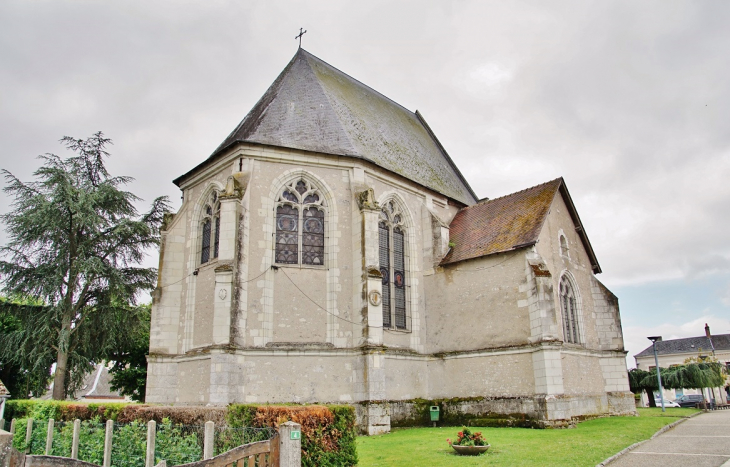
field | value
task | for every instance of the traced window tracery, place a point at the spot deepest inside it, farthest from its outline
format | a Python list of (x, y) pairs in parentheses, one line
[(300, 213), (210, 228), (392, 266), (569, 307)]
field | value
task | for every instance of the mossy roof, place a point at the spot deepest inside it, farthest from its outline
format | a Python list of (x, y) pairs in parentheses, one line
[(509, 223), (3, 390), (313, 106)]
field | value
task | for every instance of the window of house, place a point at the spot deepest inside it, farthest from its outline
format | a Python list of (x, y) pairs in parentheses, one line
[(392, 266), (300, 213), (569, 308), (210, 228)]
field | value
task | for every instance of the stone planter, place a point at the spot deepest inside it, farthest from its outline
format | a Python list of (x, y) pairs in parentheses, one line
[(469, 450)]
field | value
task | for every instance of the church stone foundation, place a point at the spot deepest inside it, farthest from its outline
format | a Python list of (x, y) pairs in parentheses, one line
[(526, 412)]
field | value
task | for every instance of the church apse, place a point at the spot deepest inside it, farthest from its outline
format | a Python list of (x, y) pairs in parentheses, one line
[(318, 267)]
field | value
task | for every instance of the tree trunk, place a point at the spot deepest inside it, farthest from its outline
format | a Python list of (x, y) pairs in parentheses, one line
[(652, 401), (59, 379)]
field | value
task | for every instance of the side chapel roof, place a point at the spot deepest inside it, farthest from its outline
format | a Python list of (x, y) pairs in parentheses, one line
[(688, 345), (3, 390), (313, 106), (509, 223)]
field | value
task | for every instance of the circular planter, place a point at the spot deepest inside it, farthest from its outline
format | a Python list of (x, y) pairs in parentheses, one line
[(469, 450)]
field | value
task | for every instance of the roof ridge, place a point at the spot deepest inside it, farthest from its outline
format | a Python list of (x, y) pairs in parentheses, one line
[(489, 200), (356, 80), (306, 56)]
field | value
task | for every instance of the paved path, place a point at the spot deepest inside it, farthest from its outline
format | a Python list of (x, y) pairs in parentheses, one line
[(701, 441)]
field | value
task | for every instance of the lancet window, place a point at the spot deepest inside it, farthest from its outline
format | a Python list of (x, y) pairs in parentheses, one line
[(300, 214), (569, 307), (210, 228), (392, 266)]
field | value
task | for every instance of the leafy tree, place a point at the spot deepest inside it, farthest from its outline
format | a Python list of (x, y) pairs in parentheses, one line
[(129, 372), (21, 379), (694, 375), (640, 380), (75, 241)]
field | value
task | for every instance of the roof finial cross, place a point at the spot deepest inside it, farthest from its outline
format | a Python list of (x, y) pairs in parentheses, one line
[(301, 33)]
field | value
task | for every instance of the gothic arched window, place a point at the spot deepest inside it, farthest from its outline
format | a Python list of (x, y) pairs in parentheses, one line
[(210, 226), (392, 266), (569, 307), (300, 225)]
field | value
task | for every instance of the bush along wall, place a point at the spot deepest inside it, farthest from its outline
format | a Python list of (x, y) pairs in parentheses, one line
[(328, 432), (61, 410)]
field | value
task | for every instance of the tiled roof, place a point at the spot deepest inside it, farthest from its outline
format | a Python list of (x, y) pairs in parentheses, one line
[(313, 106), (500, 224), (510, 222), (688, 345), (3, 390)]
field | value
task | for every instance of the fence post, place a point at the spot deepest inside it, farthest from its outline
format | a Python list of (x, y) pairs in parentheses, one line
[(75, 439), (2, 424), (290, 447), (208, 440), (12, 426), (151, 432), (108, 443), (49, 437), (6, 449), (28, 434)]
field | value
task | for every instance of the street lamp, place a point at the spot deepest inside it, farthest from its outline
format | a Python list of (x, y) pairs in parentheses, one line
[(654, 340)]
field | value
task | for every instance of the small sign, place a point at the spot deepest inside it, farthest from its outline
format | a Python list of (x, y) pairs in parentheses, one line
[(295, 435)]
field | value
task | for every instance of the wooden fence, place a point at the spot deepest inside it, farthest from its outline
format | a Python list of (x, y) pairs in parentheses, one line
[(282, 450)]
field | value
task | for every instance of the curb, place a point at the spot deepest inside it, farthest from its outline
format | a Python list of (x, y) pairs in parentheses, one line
[(636, 445)]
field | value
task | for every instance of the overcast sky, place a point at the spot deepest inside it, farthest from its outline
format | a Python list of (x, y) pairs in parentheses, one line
[(628, 101)]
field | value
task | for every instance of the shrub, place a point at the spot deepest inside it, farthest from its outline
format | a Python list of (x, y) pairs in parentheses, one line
[(328, 432), (62, 410), (177, 415)]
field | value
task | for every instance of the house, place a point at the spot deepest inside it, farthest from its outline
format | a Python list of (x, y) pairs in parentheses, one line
[(96, 387), (676, 351), (330, 250)]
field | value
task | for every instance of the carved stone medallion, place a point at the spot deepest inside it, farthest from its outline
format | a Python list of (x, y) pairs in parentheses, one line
[(222, 293), (375, 298)]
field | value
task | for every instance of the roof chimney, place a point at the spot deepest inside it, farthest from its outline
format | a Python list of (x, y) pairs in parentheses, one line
[(707, 331)]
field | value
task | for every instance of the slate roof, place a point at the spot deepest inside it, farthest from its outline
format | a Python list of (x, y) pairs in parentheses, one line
[(96, 385), (313, 106), (3, 390), (687, 345), (509, 223)]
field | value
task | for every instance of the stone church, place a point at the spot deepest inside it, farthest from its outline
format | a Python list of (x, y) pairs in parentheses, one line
[(330, 250)]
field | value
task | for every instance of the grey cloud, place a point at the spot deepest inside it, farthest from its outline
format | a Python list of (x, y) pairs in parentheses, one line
[(628, 101)]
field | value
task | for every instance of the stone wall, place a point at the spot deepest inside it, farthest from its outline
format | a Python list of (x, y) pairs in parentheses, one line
[(484, 333)]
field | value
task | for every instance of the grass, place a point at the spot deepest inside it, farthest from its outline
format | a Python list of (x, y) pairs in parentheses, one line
[(588, 444)]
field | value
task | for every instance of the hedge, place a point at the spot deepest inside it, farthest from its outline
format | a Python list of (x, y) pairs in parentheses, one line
[(328, 432), (61, 410)]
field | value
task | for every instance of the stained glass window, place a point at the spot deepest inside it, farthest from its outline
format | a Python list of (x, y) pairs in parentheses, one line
[(210, 228), (300, 228), (570, 312), (384, 232), (205, 250), (392, 253)]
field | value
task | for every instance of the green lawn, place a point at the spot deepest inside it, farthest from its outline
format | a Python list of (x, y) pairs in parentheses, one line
[(586, 445)]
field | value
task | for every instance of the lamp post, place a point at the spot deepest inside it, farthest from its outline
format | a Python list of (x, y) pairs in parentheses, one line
[(654, 340)]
